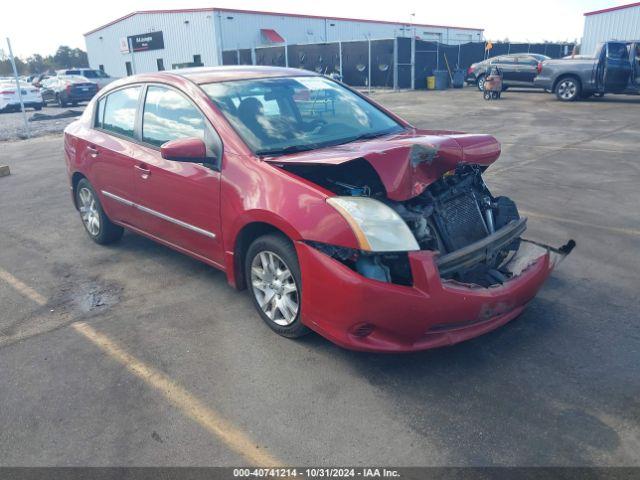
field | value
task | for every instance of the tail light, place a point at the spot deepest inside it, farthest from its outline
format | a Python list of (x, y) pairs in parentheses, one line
[(68, 88), (469, 70), (539, 67), (7, 92)]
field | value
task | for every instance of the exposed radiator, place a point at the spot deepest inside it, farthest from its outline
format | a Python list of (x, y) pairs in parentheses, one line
[(460, 221)]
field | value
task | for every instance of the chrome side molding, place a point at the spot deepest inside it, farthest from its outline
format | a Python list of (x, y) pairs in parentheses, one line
[(175, 221)]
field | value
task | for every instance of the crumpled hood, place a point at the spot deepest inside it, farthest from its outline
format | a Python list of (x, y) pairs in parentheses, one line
[(408, 162)]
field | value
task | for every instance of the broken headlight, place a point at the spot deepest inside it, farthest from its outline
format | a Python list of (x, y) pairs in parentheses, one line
[(377, 227)]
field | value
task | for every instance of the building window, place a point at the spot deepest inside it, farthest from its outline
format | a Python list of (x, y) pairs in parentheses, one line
[(128, 67), (160, 64), (197, 61), (101, 67)]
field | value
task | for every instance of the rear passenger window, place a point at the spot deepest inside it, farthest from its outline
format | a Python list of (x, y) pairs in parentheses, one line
[(100, 113), (168, 116), (120, 111)]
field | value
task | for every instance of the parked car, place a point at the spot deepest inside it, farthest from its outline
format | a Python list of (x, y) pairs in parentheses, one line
[(97, 76), (518, 69), (68, 89), (10, 100), (615, 68), (336, 214), (39, 79)]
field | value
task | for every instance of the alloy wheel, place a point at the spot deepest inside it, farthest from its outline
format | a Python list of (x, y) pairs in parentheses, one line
[(89, 211), (274, 288), (567, 89)]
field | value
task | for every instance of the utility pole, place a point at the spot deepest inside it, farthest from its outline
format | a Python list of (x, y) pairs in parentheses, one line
[(15, 74)]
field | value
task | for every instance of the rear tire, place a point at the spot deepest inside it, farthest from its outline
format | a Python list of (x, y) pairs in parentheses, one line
[(96, 223), (568, 89), (480, 83), (273, 279)]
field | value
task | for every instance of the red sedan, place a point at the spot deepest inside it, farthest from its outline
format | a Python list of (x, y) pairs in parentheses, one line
[(336, 215)]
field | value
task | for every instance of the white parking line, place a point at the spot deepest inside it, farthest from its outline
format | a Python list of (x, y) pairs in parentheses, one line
[(175, 394)]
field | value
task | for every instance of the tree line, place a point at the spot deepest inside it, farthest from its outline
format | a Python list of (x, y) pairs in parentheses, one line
[(65, 57)]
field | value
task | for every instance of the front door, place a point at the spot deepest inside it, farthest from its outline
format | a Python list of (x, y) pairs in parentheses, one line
[(178, 202), (617, 67)]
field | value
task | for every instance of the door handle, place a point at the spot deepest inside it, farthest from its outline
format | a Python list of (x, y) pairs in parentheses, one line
[(143, 170), (93, 151)]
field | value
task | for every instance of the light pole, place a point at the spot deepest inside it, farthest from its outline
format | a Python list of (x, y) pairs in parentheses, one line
[(15, 74)]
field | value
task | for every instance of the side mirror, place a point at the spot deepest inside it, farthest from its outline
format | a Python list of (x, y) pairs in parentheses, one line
[(192, 150)]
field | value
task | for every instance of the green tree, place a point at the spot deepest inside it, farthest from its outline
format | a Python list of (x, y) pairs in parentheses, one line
[(36, 64)]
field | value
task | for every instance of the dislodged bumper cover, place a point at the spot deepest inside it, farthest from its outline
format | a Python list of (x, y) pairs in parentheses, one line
[(432, 313), (409, 162)]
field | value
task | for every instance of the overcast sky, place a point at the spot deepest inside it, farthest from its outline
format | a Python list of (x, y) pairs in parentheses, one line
[(39, 26)]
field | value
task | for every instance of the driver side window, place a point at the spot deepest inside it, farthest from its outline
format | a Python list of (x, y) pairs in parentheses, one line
[(169, 115)]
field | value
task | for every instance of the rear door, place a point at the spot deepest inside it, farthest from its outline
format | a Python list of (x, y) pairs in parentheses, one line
[(617, 68), (508, 66), (110, 151), (178, 202), (527, 69)]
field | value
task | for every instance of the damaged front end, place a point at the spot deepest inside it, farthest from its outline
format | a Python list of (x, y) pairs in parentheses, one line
[(437, 191)]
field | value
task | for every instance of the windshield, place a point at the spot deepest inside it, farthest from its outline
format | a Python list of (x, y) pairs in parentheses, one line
[(284, 115)]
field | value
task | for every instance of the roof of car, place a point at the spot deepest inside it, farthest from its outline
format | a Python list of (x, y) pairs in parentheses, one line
[(201, 75)]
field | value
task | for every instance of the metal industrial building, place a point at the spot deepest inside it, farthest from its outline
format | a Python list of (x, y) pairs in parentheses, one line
[(154, 40), (615, 23)]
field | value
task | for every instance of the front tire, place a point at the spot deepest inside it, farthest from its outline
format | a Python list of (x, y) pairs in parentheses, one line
[(568, 89), (96, 223), (274, 283)]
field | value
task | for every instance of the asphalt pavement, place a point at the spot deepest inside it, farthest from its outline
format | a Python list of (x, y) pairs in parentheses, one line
[(134, 354)]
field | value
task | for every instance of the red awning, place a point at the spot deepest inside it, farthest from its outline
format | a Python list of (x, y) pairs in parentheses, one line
[(271, 36)]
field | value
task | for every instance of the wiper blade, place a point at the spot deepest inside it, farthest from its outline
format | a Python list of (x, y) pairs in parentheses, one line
[(286, 150), (371, 135)]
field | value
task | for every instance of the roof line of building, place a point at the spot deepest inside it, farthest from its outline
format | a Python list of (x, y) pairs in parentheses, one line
[(612, 9), (278, 14)]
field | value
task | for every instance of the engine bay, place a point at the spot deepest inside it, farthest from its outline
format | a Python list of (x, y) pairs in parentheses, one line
[(475, 234)]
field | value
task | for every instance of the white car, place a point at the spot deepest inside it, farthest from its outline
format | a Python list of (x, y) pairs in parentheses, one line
[(10, 100), (95, 76)]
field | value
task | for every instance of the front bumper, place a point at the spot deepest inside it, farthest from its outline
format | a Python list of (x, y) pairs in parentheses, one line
[(338, 302)]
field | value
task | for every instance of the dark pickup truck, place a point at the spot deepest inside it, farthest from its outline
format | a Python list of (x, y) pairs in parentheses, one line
[(615, 68)]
